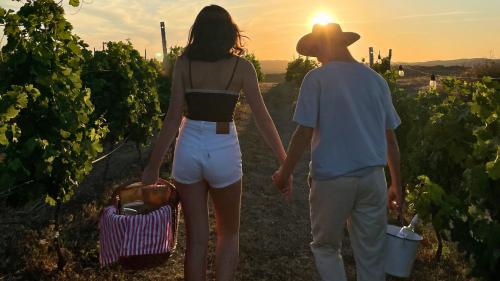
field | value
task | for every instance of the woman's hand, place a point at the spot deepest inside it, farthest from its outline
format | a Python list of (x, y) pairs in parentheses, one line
[(150, 175), (283, 183)]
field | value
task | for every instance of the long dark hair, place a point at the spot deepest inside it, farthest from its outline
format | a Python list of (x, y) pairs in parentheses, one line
[(213, 36)]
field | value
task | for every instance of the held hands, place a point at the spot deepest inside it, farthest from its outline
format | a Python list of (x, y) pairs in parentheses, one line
[(284, 183)]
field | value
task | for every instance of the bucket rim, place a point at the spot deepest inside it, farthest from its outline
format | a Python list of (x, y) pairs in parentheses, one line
[(415, 237)]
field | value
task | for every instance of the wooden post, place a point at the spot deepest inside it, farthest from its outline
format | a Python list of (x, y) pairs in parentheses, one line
[(145, 54), (103, 43), (370, 51), (390, 58), (164, 45)]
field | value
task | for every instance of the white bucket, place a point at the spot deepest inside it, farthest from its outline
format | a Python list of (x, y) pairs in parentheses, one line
[(400, 251)]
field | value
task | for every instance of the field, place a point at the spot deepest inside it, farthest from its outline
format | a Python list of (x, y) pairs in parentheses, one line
[(77, 121), (274, 234)]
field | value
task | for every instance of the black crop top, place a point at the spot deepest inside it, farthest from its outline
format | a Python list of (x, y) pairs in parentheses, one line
[(211, 105)]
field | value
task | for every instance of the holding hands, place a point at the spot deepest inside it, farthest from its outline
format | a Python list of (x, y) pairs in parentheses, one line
[(284, 183)]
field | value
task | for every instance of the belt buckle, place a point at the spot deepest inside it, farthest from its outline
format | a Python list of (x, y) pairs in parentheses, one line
[(222, 128)]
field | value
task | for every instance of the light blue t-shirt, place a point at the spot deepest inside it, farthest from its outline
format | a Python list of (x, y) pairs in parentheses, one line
[(350, 108)]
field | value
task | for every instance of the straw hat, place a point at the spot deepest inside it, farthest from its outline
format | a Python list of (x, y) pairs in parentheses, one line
[(329, 35)]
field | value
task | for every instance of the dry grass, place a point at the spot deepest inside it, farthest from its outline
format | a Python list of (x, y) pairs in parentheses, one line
[(275, 234), (491, 69)]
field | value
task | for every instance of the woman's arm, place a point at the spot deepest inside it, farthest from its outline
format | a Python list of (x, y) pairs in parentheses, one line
[(262, 118), (169, 128)]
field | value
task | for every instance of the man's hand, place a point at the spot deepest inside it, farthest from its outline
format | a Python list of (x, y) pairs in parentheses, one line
[(283, 177), (284, 184), (395, 199)]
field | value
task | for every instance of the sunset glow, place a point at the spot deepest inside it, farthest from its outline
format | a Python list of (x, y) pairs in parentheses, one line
[(322, 18), (415, 32)]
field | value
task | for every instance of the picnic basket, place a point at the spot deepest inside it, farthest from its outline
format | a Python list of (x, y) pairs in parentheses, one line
[(138, 228)]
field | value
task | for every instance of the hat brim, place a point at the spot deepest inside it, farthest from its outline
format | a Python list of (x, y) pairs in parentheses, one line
[(308, 44)]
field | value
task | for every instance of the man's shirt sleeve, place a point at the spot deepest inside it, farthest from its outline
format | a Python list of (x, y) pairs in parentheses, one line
[(307, 108), (392, 120)]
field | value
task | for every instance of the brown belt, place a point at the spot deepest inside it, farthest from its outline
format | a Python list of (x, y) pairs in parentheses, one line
[(222, 128)]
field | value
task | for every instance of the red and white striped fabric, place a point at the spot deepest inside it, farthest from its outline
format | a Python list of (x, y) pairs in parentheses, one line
[(124, 236)]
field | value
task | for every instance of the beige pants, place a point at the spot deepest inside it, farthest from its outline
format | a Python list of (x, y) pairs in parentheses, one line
[(361, 202)]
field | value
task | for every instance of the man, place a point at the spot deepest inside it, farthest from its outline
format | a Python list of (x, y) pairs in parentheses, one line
[(346, 115)]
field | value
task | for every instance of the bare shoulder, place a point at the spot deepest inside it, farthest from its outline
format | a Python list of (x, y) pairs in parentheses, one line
[(181, 63), (246, 67), (180, 67)]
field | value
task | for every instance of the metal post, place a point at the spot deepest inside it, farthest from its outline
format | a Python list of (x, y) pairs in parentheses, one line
[(164, 42), (390, 58), (370, 50)]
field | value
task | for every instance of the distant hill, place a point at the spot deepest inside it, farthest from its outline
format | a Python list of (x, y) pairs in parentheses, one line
[(273, 66), (456, 62), (279, 66)]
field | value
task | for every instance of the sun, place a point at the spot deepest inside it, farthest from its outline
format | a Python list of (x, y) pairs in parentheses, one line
[(322, 18)]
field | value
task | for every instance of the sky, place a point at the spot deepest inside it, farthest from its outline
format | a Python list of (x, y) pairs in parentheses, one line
[(415, 30)]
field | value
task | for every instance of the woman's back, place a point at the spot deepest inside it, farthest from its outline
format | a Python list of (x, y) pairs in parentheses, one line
[(214, 95), (224, 74)]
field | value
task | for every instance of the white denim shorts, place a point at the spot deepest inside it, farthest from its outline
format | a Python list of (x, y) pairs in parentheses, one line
[(202, 154)]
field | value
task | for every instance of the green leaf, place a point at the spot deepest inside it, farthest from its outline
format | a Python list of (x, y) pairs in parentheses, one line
[(493, 167), (74, 3), (75, 48), (64, 134), (50, 159), (3, 137), (22, 100), (49, 200), (66, 71)]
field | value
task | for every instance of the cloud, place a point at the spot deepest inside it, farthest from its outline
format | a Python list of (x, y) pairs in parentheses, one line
[(440, 14)]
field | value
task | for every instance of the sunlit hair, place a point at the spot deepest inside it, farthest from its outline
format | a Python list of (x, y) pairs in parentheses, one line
[(213, 36)]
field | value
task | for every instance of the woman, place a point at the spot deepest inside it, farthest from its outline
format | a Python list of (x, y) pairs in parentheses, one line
[(207, 78)]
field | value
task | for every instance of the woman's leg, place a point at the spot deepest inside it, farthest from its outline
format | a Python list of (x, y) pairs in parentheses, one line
[(227, 215), (194, 206)]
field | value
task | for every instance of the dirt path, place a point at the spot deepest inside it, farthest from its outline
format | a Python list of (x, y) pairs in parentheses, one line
[(275, 235)]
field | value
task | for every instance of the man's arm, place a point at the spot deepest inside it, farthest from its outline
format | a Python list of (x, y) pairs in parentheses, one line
[(301, 139), (393, 160)]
